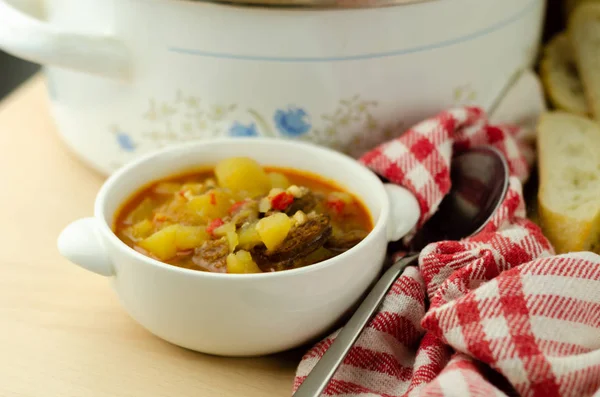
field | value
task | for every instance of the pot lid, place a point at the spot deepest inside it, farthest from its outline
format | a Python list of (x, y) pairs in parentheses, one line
[(318, 3)]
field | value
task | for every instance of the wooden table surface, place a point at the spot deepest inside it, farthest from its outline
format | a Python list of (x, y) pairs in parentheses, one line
[(62, 331)]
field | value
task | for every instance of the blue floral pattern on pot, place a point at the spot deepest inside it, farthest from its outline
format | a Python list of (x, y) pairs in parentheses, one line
[(292, 122), (349, 126), (240, 130), (125, 142)]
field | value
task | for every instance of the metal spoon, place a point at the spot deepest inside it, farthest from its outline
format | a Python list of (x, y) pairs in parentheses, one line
[(479, 183)]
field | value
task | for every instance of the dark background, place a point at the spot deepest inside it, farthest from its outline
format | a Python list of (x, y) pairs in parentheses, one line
[(14, 71)]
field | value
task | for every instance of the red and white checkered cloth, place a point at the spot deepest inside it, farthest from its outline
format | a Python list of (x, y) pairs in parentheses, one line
[(492, 315)]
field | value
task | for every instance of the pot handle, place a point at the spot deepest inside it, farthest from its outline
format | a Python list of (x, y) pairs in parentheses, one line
[(404, 211), (37, 41), (79, 243)]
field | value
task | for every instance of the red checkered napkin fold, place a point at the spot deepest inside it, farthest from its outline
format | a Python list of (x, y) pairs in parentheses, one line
[(491, 315)]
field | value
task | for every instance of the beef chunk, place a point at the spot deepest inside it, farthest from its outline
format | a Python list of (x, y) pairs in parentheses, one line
[(343, 241), (212, 255), (300, 241), (306, 203)]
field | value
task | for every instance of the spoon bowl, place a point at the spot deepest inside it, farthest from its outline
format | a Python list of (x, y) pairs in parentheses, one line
[(479, 183)]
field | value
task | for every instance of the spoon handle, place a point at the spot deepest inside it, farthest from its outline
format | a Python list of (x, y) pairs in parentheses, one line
[(319, 377)]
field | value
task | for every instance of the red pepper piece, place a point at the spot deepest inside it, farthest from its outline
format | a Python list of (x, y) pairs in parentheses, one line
[(281, 201), (215, 223)]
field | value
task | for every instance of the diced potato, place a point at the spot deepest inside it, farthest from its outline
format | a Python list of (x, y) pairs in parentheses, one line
[(228, 230), (264, 205), (167, 188), (224, 229), (166, 242), (274, 229), (142, 211), (188, 237), (232, 239), (142, 229), (274, 192), (177, 211), (211, 205), (278, 180), (300, 217), (241, 262), (297, 191), (243, 174), (161, 243), (248, 237)]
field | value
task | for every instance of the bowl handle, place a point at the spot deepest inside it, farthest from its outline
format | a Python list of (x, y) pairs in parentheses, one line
[(79, 243), (37, 41), (404, 211)]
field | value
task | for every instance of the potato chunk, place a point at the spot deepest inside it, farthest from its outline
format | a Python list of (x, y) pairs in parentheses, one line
[(211, 205), (241, 262), (228, 230), (165, 243), (177, 211), (188, 237), (161, 244), (243, 174), (142, 211), (224, 229), (278, 180), (142, 229), (248, 237), (274, 229), (232, 240)]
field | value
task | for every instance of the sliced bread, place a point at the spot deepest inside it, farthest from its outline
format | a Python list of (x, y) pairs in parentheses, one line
[(561, 78), (584, 35), (569, 173)]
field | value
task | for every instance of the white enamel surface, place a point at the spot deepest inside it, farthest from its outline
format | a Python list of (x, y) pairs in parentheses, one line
[(404, 211), (522, 104), (79, 243), (200, 69), (241, 314), (41, 42)]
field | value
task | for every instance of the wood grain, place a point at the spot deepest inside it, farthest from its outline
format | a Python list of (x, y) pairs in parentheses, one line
[(62, 331)]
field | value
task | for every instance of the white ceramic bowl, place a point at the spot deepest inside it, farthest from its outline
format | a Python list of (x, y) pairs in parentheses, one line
[(229, 314), (127, 76)]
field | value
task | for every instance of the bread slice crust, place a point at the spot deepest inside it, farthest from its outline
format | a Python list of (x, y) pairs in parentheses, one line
[(569, 175)]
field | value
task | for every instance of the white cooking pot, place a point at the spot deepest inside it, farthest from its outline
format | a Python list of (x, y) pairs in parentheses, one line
[(128, 76)]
